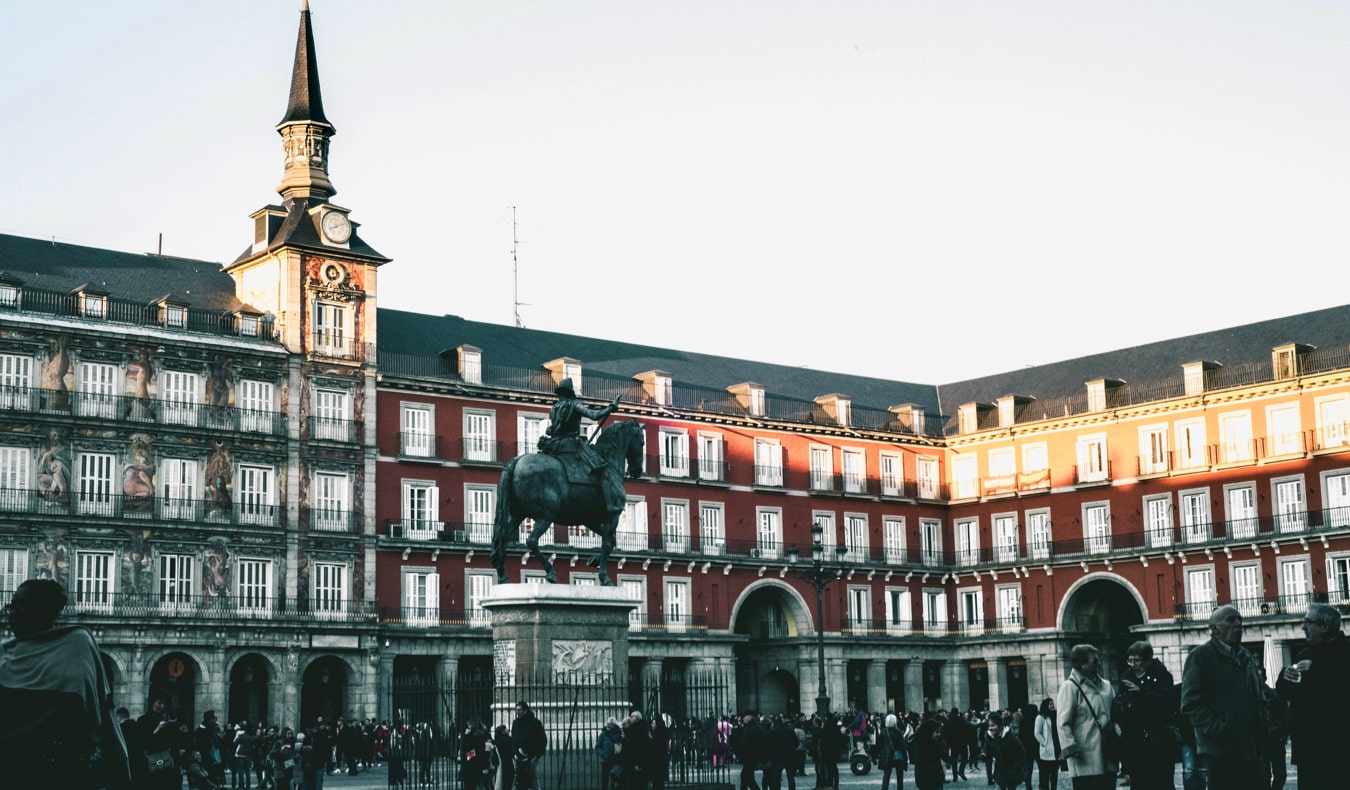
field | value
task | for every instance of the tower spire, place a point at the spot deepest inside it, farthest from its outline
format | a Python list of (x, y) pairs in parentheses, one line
[(305, 131)]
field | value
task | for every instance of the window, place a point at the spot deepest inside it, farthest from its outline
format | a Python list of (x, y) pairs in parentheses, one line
[(770, 536), (529, 427), (855, 537), (1190, 444), (1200, 598), (926, 471), (1002, 462), (855, 471), (677, 604), (1097, 528), (257, 490), (967, 542), (94, 305), (1290, 510), (480, 506), (1295, 591), (479, 587), (1195, 518), (756, 402), (94, 581), (934, 612), (1286, 431), (893, 539), (710, 456), (1092, 459), (674, 453), (1005, 537), (1336, 499), (1096, 396), (480, 435), (1153, 449), (416, 438), (330, 328), (971, 607), (1338, 579), (177, 581), (1242, 519), (96, 390), (1247, 588), (1008, 599), (471, 366), (930, 541), (1038, 534), (175, 316), (768, 463), (1158, 521), (421, 597), (966, 476), (329, 507), (255, 402), (572, 370), (9, 295), (712, 528), (1035, 457), (859, 609), (1236, 430), (331, 415), (16, 382), (1333, 421), (899, 611), (631, 533), (822, 469), (248, 325), (635, 590), (178, 486), (675, 525), (253, 585), (14, 477), (95, 495), (178, 390), (421, 510), (829, 536), (329, 597), (13, 570), (892, 475)]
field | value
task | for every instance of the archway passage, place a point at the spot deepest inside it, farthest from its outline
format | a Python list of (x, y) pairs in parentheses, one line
[(778, 693), (250, 678), (1103, 612), (177, 674), (324, 691), (769, 613)]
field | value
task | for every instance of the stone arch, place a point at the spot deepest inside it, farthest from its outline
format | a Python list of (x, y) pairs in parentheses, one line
[(154, 657), (765, 593), (1102, 609)]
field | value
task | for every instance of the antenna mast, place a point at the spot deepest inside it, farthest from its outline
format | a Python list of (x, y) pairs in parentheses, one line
[(515, 272)]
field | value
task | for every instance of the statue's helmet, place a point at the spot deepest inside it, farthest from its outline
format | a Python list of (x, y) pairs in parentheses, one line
[(565, 388)]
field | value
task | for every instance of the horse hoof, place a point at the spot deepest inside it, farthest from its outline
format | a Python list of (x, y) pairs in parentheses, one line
[(502, 578), (594, 561), (606, 583), (551, 579)]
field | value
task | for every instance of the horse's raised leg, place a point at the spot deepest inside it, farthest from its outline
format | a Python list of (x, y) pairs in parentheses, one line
[(502, 535), (606, 532), (540, 525)]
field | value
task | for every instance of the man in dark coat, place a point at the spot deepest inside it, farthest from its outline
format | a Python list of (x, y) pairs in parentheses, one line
[(750, 745), (530, 741), (1319, 699), (1221, 695)]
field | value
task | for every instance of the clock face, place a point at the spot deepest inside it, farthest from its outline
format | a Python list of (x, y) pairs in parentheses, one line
[(336, 227)]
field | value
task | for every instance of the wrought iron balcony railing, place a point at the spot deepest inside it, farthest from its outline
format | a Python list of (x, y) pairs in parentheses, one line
[(419, 444), (331, 430), (101, 504), (156, 411), (94, 603)]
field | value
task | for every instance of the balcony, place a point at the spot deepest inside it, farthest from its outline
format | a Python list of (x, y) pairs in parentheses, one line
[(770, 476), (97, 605), (480, 450), (334, 345), (333, 520), (330, 430), (1280, 606), (121, 506), (712, 470), (415, 445), (823, 482), (134, 313), (670, 465), (145, 410), (419, 530), (1092, 475)]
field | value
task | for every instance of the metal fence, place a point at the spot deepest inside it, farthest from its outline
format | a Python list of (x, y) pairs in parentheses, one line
[(432, 721)]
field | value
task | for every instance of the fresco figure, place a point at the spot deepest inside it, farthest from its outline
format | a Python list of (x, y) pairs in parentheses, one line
[(140, 372), (216, 580), (56, 390), (219, 474), (138, 477), (53, 471)]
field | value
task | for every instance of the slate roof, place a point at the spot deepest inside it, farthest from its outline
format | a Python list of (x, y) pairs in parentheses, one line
[(306, 102), (143, 278), (299, 230)]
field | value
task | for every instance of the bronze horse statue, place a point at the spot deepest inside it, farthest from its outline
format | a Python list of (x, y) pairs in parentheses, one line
[(536, 486)]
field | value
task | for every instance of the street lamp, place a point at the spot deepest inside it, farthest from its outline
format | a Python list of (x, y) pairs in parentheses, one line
[(819, 574)]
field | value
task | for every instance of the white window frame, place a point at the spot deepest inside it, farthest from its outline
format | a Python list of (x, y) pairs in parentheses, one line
[(1194, 515), (892, 474), (769, 532), (1333, 421), (16, 465), (768, 463), (967, 531), (97, 387), (930, 542), (710, 456), (13, 570), (95, 493), (633, 532), (421, 597), (95, 581), (1295, 584), (1285, 426), (927, 473), (965, 477), (676, 612), (829, 532), (180, 393), (478, 586), (177, 582), (1236, 429), (529, 427), (1094, 465), (420, 514), (856, 537), (256, 491), (1336, 498), (480, 508), (859, 601), (1240, 509), (1245, 584), (1003, 462), (899, 611), (417, 433), (934, 612), (1154, 457), (16, 382), (1008, 604), (1290, 498), (674, 452), (675, 525), (179, 482), (328, 594), (822, 467), (970, 610), (1097, 527), (330, 327), (1201, 595), (253, 593), (854, 464), (1190, 443), (1035, 457), (1159, 529), (1338, 578), (1005, 531), (636, 589), (712, 529), (480, 435), (257, 403), (1039, 539), (330, 501), (893, 539), (332, 414)]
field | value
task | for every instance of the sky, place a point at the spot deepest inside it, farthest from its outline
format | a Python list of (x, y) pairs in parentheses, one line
[(917, 191)]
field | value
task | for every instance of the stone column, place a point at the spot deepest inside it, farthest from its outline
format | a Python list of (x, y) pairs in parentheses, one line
[(725, 671), (914, 684), (384, 702), (955, 685), (876, 685), (998, 681), (836, 676)]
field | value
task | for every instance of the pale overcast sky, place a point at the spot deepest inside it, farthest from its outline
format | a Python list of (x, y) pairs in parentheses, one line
[(924, 191)]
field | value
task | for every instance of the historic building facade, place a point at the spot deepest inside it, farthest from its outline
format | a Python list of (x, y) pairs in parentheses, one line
[(274, 499)]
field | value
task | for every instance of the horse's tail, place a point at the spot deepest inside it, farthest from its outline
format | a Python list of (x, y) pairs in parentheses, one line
[(503, 515)]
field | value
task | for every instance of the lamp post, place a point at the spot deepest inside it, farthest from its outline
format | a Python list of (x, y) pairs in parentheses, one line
[(819, 574)]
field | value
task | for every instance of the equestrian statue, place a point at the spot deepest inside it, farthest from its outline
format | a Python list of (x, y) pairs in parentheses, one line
[(569, 481)]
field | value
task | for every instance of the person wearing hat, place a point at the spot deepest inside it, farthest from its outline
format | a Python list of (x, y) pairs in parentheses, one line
[(563, 440)]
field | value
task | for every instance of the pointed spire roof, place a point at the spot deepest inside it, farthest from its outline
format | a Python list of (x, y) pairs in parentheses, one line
[(306, 103)]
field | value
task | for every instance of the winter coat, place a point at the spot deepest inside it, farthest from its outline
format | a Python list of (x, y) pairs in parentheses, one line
[(1010, 759), (1077, 726), (890, 740), (1221, 695), (1144, 713), (1045, 738), (1319, 706)]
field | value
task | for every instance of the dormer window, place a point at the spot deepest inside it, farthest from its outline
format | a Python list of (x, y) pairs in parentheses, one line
[(173, 315), (93, 305), (1193, 376), (750, 396), (248, 325), (9, 295), (1099, 393), (838, 407), (565, 368), (656, 386), (967, 418), (1285, 359), (471, 365)]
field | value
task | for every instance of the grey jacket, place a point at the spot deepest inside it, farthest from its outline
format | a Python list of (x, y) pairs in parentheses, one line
[(1221, 695)]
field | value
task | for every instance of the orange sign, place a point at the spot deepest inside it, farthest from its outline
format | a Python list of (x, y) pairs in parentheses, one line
[(176, 668)]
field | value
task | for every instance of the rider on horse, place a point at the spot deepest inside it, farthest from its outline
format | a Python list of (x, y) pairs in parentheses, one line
[(563, 441)]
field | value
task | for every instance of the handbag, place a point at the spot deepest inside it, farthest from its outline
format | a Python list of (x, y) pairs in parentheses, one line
[(159, 762), (1110, 737)]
